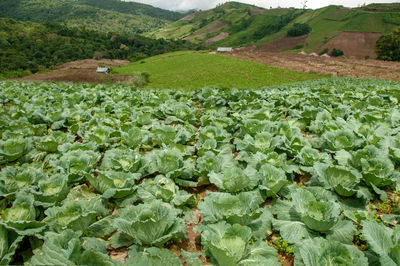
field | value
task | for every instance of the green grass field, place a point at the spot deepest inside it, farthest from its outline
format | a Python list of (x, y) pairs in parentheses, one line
[(195, 70)]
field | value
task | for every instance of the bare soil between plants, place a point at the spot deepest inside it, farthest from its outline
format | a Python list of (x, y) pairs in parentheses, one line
[(337, 67), (81, 71)]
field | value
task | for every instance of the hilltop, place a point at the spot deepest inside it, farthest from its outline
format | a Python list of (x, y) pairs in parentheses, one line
[(132, 8), (236, 24), (29, 47), (101, 15)]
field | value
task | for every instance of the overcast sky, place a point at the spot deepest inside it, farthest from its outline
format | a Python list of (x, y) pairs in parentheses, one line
[(207, 4)]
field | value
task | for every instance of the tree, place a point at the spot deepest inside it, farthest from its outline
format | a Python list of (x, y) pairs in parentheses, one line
[(299, 29), (337, 52), (388, 46)]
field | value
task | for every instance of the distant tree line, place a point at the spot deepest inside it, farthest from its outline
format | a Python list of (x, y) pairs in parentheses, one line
[(33, 47), (134, 8)]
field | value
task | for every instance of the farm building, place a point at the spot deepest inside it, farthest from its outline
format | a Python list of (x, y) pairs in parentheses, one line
[(225, 49), (103, 70)]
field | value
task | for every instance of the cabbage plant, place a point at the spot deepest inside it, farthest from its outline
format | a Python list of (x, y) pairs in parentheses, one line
[(235, 179), (151, 224), (383, 241), (344, 180), (319, 251), (229, 245)]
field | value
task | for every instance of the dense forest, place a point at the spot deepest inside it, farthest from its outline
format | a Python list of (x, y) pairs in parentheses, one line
[(32, 47), (134, 20), (133, 8)]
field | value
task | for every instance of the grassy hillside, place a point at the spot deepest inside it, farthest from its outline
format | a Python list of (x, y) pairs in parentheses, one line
[(330, 21), (238, 19), (194, 70), (31, 47), (103, 15), (248, 25)]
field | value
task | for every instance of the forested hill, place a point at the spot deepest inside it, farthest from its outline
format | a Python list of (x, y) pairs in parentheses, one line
[(133, 8), (100, 15), (32, 47)]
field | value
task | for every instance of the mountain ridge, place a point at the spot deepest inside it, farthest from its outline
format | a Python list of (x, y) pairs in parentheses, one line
[(251, 25), (95, 15), (30, 47)]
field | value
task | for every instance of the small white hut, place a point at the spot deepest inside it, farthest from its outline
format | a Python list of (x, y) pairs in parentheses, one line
[(225, 49), (103, 70)]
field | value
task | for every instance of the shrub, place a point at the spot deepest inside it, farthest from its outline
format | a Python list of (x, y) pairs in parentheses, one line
[(388, 46), (139, 79), (337, 52), (299, 29), (298, 46), (325, 51)]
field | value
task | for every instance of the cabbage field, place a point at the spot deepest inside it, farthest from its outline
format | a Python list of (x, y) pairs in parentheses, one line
[(303, 174)]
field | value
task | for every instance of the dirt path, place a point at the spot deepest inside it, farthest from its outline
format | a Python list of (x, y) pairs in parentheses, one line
[(81, 71), (337, 67)]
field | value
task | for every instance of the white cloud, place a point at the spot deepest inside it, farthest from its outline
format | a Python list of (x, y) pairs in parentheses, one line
[(207, 4)]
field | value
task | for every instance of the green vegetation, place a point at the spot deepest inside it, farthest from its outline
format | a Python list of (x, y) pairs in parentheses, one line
[(325, 51), (133, 8), (336, 52), (89, 171), (245, 24), (248, 25), (387, 7), (249, 30), (194, 70), (282, 246), (106, 16), (330, 21), (388, 46), (231, 13), (31, 47), (298, 46), (299, 29)]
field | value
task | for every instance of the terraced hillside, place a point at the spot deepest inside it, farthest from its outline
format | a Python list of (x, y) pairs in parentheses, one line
[(238, 24)]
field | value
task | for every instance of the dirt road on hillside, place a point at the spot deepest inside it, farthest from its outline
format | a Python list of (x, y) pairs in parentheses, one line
[(337, 67)]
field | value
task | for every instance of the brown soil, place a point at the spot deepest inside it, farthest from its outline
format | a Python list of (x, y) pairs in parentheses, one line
[(302, 178), (283, 44), (189, 17), (354, 68), (81, 71), (357, 44), (210, 28), (286, 260), (192, 241), (119, 254), (257, 12), (217, 38)]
